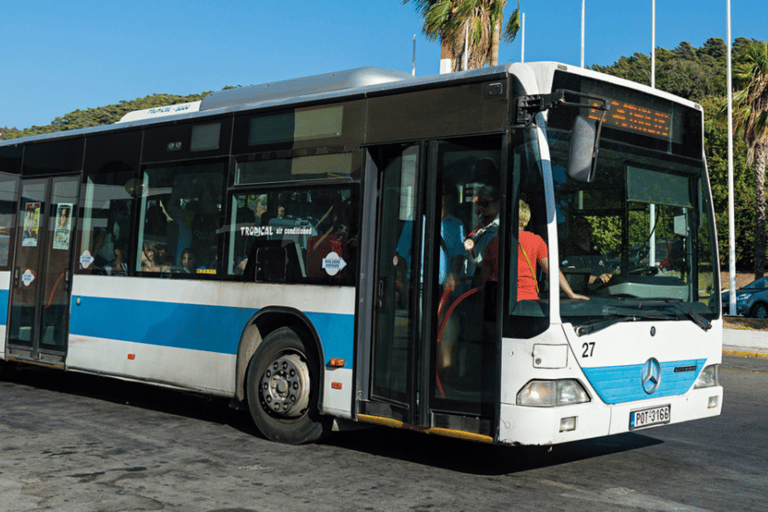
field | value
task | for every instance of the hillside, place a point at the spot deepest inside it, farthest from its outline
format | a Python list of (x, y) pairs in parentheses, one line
[(99, 115)]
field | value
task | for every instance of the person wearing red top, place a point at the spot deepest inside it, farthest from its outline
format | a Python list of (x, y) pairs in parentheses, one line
[(531, 254)]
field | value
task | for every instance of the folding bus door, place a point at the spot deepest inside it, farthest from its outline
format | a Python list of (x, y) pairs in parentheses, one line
[(433, 348), (41, 273)]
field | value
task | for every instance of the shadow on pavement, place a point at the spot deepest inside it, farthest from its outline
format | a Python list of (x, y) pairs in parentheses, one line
[(428, 450)]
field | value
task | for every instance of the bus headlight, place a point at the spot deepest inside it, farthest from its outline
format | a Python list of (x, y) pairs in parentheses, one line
[(552, 393), (708, 377)]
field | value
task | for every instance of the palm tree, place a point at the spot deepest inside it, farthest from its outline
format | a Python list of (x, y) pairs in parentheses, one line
[(482, 20), (750, 112)]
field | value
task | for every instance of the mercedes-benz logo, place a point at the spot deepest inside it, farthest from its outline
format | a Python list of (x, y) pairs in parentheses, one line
[(651, 375)]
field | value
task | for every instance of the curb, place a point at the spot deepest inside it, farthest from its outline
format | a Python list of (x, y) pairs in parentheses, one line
[(745, 343), (744, 353)]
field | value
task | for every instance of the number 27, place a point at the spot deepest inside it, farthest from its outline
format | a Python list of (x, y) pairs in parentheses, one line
[(589, 349)]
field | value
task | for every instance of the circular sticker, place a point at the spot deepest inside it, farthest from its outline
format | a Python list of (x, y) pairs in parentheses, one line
[(27, 277), (333, 264), (86, 259)]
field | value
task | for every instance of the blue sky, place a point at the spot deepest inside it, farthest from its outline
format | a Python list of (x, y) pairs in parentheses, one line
[(59, 56)]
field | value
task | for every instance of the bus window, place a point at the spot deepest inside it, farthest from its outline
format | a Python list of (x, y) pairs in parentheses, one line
[(106, 231), (180, 219), (8, 191), (294, 236)]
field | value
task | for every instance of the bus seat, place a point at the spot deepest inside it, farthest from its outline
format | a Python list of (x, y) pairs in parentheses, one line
[(278, 262)]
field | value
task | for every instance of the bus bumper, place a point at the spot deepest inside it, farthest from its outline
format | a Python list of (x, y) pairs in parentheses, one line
[(555, 425)]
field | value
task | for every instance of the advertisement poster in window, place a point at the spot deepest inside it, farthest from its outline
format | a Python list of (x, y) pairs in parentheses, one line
[(31, 225), (63, 224)]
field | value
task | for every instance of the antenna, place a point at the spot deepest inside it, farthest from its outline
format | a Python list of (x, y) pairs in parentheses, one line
[(413, 71)]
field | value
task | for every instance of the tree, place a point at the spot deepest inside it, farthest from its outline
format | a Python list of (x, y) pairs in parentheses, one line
[(100, 115), (750, 112), (449, 21)]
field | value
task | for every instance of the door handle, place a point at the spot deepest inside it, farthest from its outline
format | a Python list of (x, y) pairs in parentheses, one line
[(16, 275), (381, 288)]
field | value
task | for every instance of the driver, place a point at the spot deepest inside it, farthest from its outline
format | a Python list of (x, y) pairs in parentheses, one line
[(584, 255)]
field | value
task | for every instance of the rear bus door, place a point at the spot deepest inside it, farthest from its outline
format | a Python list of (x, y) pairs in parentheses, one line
[(41, 273)]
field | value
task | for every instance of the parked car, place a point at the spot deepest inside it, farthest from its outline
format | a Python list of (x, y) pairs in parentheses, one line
[(752, 300)]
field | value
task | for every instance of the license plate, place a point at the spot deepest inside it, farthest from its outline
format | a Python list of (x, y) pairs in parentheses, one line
[(648, 417)]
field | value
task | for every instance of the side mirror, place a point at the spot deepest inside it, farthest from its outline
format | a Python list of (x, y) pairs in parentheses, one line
[(582, 157)]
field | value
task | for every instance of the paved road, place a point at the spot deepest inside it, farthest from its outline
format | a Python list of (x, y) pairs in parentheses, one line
[(78, 443)]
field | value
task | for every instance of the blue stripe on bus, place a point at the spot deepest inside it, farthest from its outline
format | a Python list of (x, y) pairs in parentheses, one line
[(4, 295), (191, 326), (618, 384)]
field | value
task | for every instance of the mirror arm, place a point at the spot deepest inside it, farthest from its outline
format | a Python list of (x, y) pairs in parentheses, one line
[(526, 107)]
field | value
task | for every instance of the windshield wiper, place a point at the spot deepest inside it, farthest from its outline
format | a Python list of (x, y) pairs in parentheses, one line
[(624, 313), (583, 330), (697, 318)]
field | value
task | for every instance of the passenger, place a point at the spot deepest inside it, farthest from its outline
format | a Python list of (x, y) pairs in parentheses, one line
[(532, 251), (188, 262), (149, 259), (119, 266), (450, 270), (487, 206), (451, 248)]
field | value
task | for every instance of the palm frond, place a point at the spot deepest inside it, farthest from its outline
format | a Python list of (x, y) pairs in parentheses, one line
[(513, 25)]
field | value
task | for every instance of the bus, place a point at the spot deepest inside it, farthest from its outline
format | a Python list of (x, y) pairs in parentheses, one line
[(349, 249)]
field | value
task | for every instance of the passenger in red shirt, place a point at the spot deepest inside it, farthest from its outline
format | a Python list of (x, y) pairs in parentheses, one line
[(531, 253)]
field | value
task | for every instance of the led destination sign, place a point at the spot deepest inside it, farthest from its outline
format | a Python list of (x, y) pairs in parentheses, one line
[(634, 118)]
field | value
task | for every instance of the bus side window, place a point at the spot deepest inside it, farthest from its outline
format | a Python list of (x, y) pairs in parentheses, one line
[(180, 218), (293, 236), (106, 233)]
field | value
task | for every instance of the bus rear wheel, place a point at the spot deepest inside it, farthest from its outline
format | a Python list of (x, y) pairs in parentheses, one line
[(282, 386)]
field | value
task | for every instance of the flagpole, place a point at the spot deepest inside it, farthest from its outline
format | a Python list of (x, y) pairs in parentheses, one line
[(652, 207), (582, 32), (731, 206)]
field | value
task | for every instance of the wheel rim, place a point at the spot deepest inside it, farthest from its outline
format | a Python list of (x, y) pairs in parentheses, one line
[(761, 312), (284, 386)]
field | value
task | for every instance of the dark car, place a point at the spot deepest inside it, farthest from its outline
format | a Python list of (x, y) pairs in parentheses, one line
[(752, 300)]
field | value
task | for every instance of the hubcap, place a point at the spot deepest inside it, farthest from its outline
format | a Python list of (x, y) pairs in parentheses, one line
[(285, 386)]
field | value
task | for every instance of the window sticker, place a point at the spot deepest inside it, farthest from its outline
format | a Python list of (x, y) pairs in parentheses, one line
[(31, 225), (333, 263), (63, 224), (28, 276), (86, 259)]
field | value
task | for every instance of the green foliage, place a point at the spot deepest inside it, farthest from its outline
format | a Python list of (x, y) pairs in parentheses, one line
[(699, 74), (716, 135), (689, 72), (100, 115), (447, 20)]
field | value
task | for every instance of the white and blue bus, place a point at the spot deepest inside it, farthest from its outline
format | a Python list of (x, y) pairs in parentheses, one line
[(348, 248)]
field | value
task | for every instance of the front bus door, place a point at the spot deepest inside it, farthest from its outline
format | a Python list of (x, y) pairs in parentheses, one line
[(41, 276), (434, 342)]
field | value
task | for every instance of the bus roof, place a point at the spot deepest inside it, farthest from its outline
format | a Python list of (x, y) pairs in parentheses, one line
[(316, 84), (363, 81)]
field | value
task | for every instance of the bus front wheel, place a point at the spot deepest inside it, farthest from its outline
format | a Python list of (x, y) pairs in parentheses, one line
[(282, 385)]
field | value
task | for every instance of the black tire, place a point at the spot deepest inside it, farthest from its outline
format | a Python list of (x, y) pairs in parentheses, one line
[(283, 389), (759, 310)]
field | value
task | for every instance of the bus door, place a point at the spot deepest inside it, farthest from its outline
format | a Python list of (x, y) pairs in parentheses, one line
[(434, 351), (41, 273)]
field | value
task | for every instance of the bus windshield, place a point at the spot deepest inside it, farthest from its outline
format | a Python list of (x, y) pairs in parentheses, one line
[(638, 240)]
